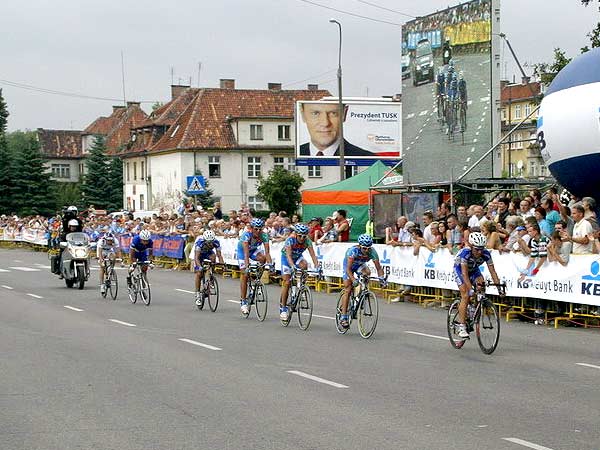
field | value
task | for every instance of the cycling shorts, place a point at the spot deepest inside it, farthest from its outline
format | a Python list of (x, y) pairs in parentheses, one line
[(253, 256), (355, 269), (210, 256), (285, 267), (458, 276)]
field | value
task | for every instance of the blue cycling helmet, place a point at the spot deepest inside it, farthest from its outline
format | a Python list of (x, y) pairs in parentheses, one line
[(365, 240), (257, 223), (301, 228)]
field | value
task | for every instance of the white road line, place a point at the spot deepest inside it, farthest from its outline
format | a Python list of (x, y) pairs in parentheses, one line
[(127, 324), (428, 335), (482, 119), (422, 113), (234, 301), (470, 102), (25, 269), (588, 365), (4, 270), (464, 167), (183, 290), (417, 138), (41, 266), (472, 149), (480, 127), (468, 159), (474, 140), (317, 379), (35, 296), (17, 260), (526, 444), (410, 116), (477, 133), (323, 317), (7, 287), (199, 344), (72, 308), (484, 99)]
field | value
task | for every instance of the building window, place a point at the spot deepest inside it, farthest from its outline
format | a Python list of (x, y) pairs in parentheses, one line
[(142, 175), (256, 132), (255, 202), (135, 171), (127, 170), (288, 164), (142, 202), (283, 132), (503, 113), (353, 170), (214, 167), (61, 170), (542, 170), (527, 109), (253, 166), (314, 171), (532, 168), (81, 169), (517, 111)]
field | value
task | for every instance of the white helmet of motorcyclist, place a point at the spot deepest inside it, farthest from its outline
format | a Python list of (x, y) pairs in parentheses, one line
[(73, 223), (72, 209)]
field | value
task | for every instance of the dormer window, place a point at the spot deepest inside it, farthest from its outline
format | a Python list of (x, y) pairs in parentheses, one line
[(256, 132)]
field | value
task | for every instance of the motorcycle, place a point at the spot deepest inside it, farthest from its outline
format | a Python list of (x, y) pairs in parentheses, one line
[(75, 259)]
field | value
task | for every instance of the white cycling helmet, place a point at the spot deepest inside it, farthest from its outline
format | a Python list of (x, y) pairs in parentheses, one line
[(73, 223), (209, 235), (145, 235), (477, 240)]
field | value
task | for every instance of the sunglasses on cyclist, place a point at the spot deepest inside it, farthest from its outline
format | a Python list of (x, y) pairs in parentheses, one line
[(363, 247), (301, 235)]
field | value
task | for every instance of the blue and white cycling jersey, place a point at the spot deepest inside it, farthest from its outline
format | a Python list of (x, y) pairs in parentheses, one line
[(359, 259), (206, 248), (466, 256), (141, 249)]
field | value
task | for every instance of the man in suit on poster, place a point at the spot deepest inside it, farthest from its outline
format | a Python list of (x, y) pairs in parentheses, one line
[(323, 123)]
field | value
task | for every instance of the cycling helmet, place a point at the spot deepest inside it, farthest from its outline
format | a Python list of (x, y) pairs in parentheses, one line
[(209, 235), (477, 240), (301, 228), (451, 63), (257, 223), (461, 75), (365, 240), (145, 235), (72, 209)]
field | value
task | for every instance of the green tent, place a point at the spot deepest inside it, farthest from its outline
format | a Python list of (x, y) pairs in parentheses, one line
[(352, 194)]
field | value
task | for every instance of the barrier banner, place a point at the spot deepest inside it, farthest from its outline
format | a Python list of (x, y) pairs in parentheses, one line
[(173, 246), (33, 236)]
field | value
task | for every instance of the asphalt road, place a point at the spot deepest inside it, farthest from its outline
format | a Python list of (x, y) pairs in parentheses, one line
[(73, 378), (429, 155)]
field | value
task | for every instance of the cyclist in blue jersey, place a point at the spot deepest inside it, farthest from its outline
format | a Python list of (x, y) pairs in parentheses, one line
[(252, 245), (355, 261), (291, 257), (140, 250), (467, 273), (206, 247)]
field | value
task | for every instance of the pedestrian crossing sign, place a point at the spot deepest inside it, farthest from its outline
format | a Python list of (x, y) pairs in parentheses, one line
[(195, 185)]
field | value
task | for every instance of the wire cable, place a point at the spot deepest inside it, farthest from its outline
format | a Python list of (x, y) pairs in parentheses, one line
[(309, 78), (351, 14), (386, 9)]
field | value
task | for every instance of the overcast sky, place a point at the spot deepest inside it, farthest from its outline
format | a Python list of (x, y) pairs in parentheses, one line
[(75, 46)]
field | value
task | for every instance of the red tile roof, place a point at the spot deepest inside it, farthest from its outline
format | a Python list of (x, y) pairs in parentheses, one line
[(104, 125), (205, 123), (120, 135), (60, 143), (516, 92)]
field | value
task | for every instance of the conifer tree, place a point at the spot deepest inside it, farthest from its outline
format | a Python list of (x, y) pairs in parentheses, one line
[(96, 182), (115, 184), (6, 163)]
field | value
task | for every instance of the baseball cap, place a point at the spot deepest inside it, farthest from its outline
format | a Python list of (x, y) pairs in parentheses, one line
[(520, 228)]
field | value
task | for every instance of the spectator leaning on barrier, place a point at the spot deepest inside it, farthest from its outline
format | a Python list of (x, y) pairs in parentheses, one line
[(342, 226), (558, 251), (427, 219), (589, 205), (580, 240), (329, 232)]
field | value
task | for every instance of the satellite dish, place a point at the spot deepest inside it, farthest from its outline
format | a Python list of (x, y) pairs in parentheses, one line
[(520, 164)]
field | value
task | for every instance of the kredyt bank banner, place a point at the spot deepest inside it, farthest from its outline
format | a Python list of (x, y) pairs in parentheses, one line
[(372, 131)]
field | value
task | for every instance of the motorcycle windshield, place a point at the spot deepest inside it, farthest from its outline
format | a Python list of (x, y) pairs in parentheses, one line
[(78, 239)]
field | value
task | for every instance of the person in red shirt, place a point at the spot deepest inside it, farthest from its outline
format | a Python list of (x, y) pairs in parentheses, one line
[(342, 225), (315, 228)]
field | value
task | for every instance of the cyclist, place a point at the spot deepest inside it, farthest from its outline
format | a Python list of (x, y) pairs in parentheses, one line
[(440, 89), (140, 250), (355, 261), (252, 245), (462, 89), (207, 247), (107, 248), (291, 257), (466, 273)]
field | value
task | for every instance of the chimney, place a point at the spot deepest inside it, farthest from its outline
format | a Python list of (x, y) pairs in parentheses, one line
[(525, 80), (503, 84), (117, 108), (274, 86), (313, 87), (129, 104), (227, 83), (177, 90)]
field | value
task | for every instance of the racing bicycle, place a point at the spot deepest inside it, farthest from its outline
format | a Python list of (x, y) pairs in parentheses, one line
[(300, 299), (209, 287), (110, 278), (257, 294), (139, 282)]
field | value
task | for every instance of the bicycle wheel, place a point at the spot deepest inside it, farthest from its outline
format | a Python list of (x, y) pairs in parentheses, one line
[(113, 284), (260, 301), (134, 289), (452, 325), (487, 326), (106, 285), (338, 313), (213, 290), (145, 289), (304, 307), (368, 314)]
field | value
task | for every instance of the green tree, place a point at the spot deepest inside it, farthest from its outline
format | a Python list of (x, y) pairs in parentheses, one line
[(546, 72), (67, 194), (281, 190), (96, 184), (7, 163), (33, 193), (115, 183), (206, 199)]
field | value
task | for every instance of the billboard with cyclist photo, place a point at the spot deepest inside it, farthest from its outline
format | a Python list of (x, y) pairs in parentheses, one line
[(372, 131), (446, 93)]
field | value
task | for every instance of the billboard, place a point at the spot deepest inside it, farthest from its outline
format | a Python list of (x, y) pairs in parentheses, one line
[(372, 131), (446, 93)]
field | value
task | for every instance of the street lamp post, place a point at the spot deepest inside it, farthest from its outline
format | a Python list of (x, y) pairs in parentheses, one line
[(340, 105)]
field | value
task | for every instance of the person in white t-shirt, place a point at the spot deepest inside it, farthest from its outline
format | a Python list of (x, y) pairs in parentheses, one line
[(581, 243)]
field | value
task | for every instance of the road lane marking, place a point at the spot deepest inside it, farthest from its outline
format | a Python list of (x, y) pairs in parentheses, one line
[(410, 116), (588, 365), (41, 266), (526, 444), (25, 269), (35, 296), (7, 287), (17, 260), (322, 317), (127, 324), (199, 344), (484, 99), (318, 379), (422, 113), (428, 335), (72, 308), (183, 290), (4, 270), (469, 159), (234, 301), (470, 102)]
